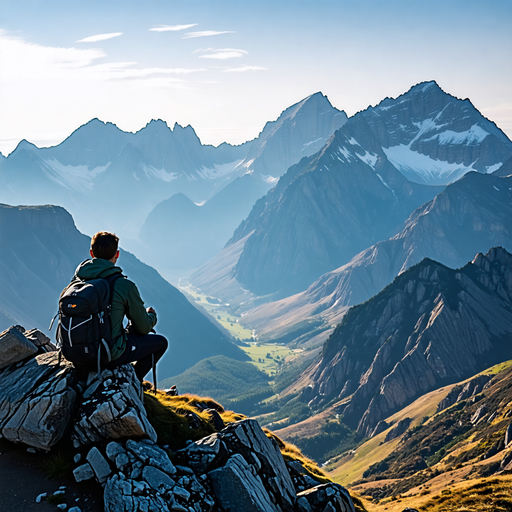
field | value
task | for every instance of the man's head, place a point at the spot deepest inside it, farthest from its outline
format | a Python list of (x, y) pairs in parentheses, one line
[(104, 245)]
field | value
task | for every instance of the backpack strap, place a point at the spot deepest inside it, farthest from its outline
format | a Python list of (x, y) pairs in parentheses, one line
[(111, 282)]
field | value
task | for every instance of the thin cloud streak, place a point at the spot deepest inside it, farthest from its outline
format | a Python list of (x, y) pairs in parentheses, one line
[(99, 37), (205, 33), (245, 68), (171, 28), (223, 53)]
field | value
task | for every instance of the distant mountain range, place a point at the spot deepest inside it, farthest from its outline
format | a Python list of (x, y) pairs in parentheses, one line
[(110, 179), (40, 250), (431, 327), (359, 189)]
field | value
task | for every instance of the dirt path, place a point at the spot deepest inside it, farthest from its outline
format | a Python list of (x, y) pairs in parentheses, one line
[(22, 481)]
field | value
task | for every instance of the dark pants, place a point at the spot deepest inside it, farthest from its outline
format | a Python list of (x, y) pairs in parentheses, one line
[(140, 348)]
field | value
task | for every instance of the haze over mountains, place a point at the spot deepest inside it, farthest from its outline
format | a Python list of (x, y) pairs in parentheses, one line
[(110, 179)]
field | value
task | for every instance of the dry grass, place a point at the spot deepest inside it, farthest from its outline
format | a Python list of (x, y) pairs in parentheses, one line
[(486, 494), (178, 419)]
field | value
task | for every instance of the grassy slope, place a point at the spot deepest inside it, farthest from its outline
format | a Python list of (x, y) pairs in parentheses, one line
[(350, 468), (221, 378)]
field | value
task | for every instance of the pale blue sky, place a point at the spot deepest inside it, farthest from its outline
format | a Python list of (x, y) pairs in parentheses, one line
[(228, 67)]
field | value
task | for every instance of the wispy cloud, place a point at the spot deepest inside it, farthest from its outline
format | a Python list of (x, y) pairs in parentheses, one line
[(221, 53), (206, 33), (245, 68), (100, 37), (171, 28)]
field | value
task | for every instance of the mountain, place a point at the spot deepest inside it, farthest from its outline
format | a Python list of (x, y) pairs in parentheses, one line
[(432, 137), (468, 217), (301, 130), (432, 326), (40, 250), (182, 236), (360, 188), (179, 235)]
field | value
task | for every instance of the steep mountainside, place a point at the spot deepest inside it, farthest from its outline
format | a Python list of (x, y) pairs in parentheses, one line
[(431, 326), (323, 211), (40, 250), (468, 217), (351, 195), (300, 131)]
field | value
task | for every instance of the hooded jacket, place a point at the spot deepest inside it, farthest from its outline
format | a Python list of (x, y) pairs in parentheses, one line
[(126, 301)]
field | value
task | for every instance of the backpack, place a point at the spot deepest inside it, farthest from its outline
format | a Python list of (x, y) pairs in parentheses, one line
[(84, 331)]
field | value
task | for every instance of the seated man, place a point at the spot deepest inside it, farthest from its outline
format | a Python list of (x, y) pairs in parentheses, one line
[(134, 344)]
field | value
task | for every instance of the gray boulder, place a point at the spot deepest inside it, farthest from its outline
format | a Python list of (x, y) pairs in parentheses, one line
[(329, 497), (238, 489), (40, 340), (14, 347), (36, 400), (112, 409), (261, 455)]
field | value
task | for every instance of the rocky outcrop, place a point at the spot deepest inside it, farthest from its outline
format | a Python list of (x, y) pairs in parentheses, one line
[(432, 326), (459, 393), (36, 400), (238, 469), (398, 429), (111, 408), (14, 347)]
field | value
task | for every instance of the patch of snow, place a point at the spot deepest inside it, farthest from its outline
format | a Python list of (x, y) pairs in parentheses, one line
[(270, 179), (368, 158), (161, 174), (406, 160), (311, 142), (491, 168), (472, 136), (345, 152), (220, 170), (353, 142), (385, 184), (75, 177)]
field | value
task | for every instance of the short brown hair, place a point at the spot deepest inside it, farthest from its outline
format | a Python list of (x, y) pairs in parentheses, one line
[(104, 245)]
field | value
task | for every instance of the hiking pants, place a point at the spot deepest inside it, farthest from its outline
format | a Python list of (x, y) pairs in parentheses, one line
[(139, 348)]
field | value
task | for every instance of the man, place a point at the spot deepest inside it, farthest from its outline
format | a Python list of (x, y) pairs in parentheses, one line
[(135, 344)]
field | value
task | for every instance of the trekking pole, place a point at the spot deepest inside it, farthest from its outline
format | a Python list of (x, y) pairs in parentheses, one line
[(154, 373)]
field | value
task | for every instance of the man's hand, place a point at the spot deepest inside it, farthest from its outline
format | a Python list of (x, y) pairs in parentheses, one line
[(151, 310)]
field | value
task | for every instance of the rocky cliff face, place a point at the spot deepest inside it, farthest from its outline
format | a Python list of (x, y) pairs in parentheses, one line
[(431, 326)]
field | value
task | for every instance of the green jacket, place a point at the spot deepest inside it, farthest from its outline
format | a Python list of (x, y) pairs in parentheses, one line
[(125, 302)]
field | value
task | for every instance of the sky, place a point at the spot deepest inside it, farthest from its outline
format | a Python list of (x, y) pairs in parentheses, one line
[(228, 67)]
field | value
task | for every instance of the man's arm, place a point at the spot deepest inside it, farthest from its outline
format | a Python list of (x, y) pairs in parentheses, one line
[(142, 319)]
